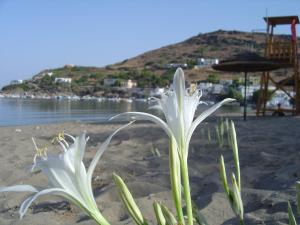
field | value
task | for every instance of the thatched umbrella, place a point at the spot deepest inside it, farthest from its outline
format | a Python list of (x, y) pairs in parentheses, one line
[(246, 62)]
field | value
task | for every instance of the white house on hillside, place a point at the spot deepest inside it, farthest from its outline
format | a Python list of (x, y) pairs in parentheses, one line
[(157, 92), (217, 89), (226, 82), (204, 86), (63, 80), (109, 81), (175, 65), (128, 83), (49, 74), (13, 82), (203, 62)]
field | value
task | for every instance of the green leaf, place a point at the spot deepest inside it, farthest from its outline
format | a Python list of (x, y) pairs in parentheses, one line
[(170, 219), (128, 201), (208, 135), (298, 196), (292, 220), (200, 219), (159, 214), (235, 153), (237, 200), (223, 175)]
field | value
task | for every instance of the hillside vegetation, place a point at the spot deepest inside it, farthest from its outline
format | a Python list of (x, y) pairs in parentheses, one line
[(149, 69)]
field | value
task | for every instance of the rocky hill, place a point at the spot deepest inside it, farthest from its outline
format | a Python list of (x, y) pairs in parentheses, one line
[(219, 44), (150, 69)]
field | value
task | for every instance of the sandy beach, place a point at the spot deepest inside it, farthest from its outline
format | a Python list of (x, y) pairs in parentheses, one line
[(269, 158)]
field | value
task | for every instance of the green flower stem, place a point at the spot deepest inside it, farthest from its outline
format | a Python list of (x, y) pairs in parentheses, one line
[(175, 181), (186, 190), (242, 222), (100, 220)]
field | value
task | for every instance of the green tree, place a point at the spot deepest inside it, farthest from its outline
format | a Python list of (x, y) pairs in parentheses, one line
[(82, 80), (96, 76), (46, 80), (213, 78), (117, 83), (191, 63), (256, 95), (235, 83), (234, 93)]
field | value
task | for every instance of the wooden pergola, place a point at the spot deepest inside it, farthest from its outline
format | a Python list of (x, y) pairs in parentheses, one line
[(286, 53)]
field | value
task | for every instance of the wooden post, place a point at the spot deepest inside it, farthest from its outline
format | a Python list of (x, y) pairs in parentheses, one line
[(245, 97)]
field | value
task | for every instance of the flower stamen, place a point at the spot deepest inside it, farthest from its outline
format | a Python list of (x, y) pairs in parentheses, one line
[(60, 138), (40, 152)]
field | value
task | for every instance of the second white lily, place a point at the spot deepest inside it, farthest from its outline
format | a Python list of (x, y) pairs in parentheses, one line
[(179, 107)]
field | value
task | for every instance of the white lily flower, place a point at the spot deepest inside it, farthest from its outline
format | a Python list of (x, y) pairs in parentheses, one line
[(179, 107), (67, 177)]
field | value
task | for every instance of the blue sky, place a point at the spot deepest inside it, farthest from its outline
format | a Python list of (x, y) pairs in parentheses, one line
[(40, 34)]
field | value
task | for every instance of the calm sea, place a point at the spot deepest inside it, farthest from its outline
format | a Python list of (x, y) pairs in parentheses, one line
[(41, 111)]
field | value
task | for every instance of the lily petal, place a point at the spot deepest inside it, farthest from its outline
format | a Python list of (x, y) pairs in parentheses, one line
[(19, 188), (80, 178), (101, 150), (179, 86), (80, 143), (60, 172), (55, 191), (146, 116), (203, 116)]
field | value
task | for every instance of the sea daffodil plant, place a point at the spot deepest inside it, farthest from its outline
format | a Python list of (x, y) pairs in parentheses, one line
[(67, 176), (233, 194), (178, 106)]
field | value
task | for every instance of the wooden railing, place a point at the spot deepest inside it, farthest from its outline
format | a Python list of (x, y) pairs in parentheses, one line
[(282, 51)]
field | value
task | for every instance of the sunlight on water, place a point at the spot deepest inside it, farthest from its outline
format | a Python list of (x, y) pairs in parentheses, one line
[(35, 111)]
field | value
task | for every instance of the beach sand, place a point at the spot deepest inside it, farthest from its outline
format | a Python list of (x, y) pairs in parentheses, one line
[(269, 158)]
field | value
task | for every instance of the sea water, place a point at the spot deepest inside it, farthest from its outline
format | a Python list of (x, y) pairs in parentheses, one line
[(41, 111)]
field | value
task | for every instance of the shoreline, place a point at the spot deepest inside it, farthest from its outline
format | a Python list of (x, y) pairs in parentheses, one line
[(72, 98), (236, 116)]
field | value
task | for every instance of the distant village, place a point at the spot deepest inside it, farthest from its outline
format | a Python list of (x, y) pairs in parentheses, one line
[(212, 89)]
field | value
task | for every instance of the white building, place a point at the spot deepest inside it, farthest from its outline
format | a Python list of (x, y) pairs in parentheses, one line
[(63, 80), (204, 86), (69, 66), (50, 74), (226, 82), (128, 83), (280, 97), (123, 83), (157, 92), (109, 81), (175, 65), (14, 82), (203, 62), (217, 89)]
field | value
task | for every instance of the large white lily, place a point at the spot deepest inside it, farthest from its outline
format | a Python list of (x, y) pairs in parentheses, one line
[(179, 107), (67, 176)]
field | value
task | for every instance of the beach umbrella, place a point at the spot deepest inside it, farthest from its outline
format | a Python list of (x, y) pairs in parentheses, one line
[(247, 62)]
